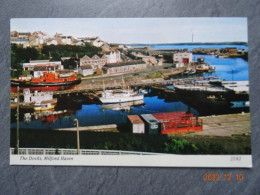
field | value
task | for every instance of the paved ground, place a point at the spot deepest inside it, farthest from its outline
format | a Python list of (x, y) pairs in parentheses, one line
[(226, 125)]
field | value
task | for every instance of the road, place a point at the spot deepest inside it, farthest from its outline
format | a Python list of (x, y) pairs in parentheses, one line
[(148, 70)]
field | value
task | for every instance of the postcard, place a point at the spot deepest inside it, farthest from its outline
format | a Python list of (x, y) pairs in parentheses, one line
[(159, 92)]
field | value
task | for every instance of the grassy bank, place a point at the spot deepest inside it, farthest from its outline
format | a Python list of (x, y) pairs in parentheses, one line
[(133, 142)]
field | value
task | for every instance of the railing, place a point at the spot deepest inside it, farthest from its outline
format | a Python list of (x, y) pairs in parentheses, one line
[(61, 151)]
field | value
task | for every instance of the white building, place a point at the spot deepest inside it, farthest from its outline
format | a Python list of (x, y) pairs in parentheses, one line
[(23, 42), (185, 57), (37, 97), (46, 63), (86, 70), (98, 43), (114, 57), (52, 42), (67, 40)]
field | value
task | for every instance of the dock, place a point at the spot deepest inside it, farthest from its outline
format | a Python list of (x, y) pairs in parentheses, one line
[(226, 125), (93, 88)]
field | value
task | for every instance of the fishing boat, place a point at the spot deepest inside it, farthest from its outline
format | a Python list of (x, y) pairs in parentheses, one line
[(113, 96), (43, 107), (205, 68), (47, 82)]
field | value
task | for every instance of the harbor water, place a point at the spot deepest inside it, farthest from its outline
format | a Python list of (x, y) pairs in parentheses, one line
[(97, 114)]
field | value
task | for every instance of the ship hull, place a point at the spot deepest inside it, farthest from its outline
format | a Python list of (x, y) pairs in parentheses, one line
[(52, 86), (121, 99)]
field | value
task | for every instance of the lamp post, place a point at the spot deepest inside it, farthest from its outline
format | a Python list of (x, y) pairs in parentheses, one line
[(77, 123)]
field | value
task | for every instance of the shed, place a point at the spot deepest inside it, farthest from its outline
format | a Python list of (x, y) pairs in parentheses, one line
[(135, 123), (151, 124)]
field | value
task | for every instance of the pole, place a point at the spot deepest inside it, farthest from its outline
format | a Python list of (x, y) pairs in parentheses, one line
[(78, 144), (17, 123)]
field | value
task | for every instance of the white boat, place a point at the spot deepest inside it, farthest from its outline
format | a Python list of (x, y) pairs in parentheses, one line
[(42, 107), (143, 91), (122, 106), (112, 96)]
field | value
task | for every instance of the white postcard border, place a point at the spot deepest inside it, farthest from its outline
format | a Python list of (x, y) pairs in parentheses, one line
[(220, 161)]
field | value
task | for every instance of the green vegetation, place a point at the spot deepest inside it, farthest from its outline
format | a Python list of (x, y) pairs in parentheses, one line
[(176, 144), (58, 51), (49, 52), (179, 146), (157, 74)]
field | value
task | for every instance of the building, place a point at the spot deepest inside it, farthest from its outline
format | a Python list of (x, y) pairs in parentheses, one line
[(135, 123), (52, 42), (24, 35), (62, 39), (230, 50), (39, 70), (80, 43), (38, 38), (96, 62), (23, 42), (182, 57), (98, 43), (105, 47), (86, 70), (39, 66), (14, 35), (113, 57), (124, 67), (37, 97)]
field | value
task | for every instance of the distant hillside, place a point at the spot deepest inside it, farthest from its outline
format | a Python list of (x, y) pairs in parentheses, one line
[(197, 43)]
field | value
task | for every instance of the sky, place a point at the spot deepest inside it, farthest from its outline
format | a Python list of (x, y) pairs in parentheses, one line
[(140, 30)]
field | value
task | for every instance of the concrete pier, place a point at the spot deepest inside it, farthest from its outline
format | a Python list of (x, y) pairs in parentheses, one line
[(97, 128), (226, 125)]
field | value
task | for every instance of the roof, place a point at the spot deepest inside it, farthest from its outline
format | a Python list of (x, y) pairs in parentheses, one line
[(39, 61), (85, 67), (90, 57), (43, 68), (129, 63), (135, 119), (19, 40)]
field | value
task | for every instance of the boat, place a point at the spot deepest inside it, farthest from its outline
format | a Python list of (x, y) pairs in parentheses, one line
[(43, 107), (47, 82), (113, 96), (126, 106), (143, 91), (205, 68)]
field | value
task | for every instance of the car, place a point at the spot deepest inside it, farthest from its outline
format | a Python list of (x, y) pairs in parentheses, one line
[(135, 74)]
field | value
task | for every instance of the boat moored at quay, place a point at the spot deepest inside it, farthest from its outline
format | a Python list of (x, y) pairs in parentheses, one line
[(113, 96), (47, 82), (218, 90)]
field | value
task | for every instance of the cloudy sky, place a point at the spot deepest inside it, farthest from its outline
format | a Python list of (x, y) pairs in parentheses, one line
[(140, 30)]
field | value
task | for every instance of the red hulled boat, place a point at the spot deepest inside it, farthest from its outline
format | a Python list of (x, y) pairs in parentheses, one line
[(47, 82)]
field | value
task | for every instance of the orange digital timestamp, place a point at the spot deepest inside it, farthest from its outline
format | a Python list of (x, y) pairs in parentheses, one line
[(225, 177)]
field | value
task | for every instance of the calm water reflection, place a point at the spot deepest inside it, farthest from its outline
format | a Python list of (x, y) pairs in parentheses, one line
[(94, 114)]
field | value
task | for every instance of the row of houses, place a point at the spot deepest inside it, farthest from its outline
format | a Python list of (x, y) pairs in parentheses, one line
[(38, 38), (114, 68)]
